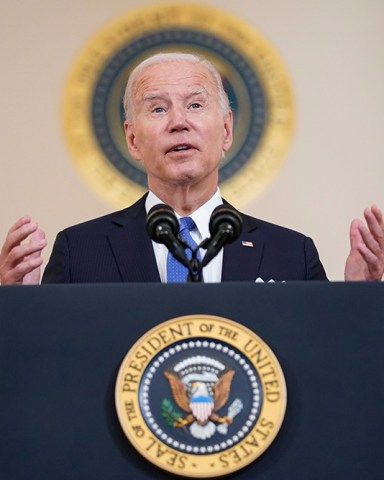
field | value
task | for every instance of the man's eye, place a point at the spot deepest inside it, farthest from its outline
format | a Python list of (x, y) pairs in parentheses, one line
[(195, 105), (158, 110)]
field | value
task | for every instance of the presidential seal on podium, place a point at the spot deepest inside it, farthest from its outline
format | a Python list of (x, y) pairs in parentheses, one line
[(200, 396)]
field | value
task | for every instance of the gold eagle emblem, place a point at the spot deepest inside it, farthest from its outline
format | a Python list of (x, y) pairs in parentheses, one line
[(202, 407)]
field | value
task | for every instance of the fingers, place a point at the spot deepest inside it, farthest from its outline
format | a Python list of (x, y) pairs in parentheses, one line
[(19, 258), (14, 251), (21, 272), (19, 223), (354, 234), (378, 214), (37, 243), (373, 234), (19, 232), (375, 223), (38, 235), (372, 246)]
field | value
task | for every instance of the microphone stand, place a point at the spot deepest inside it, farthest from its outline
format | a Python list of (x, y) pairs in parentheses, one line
[(224, 226), (194, 266), (195, 270), (212, 246)]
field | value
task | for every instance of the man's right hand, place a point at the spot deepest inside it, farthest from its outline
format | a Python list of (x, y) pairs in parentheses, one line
[(20, 260)]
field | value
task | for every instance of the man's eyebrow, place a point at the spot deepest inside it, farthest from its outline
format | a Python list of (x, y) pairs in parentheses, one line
[(148, 97), (201, 91)]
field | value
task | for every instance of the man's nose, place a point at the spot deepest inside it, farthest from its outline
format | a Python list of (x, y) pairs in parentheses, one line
[(178, 119)]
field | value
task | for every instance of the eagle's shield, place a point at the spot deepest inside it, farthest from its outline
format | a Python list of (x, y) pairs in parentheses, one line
[(201, 408)]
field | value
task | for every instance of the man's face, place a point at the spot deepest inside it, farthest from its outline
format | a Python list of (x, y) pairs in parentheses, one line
[(179, 132)]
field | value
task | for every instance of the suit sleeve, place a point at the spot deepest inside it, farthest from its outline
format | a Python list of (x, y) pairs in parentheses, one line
[(314, 267), (57, 269)]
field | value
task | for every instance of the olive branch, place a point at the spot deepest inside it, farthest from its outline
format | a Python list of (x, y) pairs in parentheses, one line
[(170, 414)]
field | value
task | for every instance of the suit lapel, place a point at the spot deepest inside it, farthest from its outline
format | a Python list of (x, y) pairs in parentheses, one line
[(241, 261), (131, 245)]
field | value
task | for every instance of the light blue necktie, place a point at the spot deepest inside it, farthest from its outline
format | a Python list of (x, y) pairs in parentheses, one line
[(176, 272)]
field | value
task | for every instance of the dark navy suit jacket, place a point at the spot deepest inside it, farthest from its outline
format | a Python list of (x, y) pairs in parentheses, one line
[(117, 248)]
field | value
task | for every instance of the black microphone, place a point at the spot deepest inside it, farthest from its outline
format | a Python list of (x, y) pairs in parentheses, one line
[(225, 226), (163, 227)]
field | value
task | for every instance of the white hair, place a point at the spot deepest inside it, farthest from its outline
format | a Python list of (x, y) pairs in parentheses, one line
[(128, 100)]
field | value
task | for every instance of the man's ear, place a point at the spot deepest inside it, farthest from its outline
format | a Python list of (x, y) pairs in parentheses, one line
[(228, 129), (130, 138)]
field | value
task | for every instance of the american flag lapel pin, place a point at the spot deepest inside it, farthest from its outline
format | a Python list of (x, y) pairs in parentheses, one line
[(245, 243)]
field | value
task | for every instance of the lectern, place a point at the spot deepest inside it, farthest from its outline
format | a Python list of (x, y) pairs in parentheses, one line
[(61, 348)]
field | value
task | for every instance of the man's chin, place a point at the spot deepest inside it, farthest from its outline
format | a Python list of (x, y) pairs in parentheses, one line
[(185, 174)]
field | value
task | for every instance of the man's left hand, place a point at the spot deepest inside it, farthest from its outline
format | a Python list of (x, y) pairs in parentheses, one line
[(365, 261)]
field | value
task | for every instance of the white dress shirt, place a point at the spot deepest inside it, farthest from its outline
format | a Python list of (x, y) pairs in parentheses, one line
[(212, 271)]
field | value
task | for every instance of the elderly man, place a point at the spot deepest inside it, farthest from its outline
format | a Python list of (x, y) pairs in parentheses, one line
[(178, 125)]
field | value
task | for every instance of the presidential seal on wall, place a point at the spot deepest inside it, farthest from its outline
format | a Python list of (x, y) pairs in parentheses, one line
[(200, 396), (253, 76)]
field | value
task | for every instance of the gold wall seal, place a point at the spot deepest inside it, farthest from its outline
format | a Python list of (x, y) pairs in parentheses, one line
[(200, 396), (253, 75)]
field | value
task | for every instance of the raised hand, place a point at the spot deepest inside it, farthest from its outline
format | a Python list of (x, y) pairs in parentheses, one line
[(20, 256), (366, 258)]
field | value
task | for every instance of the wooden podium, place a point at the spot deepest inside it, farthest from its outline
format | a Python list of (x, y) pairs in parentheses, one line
[(61, 348)]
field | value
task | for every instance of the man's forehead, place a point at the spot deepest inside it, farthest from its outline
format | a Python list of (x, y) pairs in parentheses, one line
[(169, 77)]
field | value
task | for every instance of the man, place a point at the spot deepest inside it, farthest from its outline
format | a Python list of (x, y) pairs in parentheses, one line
[(178, 125)]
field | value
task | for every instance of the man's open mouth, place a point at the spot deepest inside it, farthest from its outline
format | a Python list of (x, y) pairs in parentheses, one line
[(180, 148)]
